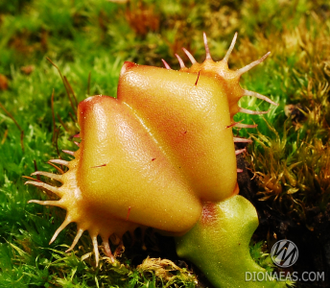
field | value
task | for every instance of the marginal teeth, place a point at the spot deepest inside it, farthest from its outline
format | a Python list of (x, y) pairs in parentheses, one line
[(260, 96), (69, 152), (251, 65), (232, 45), (191, 57), (239, 151), (60, 162), (54, 189), (56, 177), (47, 203), (167, 66), (247, 111), (76, 239), (241, 140), (207, 49), (96, 249), (107, 250), (242, 125), (180, 61), (65, 223)]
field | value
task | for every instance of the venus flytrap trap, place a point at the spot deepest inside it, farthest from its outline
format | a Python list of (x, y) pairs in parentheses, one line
[(162, 155)]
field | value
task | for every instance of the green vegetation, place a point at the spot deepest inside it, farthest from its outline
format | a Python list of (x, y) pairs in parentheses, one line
[(89, 41)]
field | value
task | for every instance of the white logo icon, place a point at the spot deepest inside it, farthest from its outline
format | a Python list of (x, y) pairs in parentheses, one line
[(284, 253)]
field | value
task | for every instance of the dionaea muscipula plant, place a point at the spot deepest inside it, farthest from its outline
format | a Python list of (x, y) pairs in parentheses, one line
[(162, 155)]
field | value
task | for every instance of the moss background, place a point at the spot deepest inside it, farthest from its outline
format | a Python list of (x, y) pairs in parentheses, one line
[(289, 159)]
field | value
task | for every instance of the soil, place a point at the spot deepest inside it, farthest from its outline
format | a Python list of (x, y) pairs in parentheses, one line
[(312, 236)]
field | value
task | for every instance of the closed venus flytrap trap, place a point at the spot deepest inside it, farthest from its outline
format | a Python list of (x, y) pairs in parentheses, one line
[(162, 155)]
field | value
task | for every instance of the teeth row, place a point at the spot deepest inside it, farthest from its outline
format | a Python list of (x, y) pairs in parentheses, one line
[(54, 189), (225, 59)]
